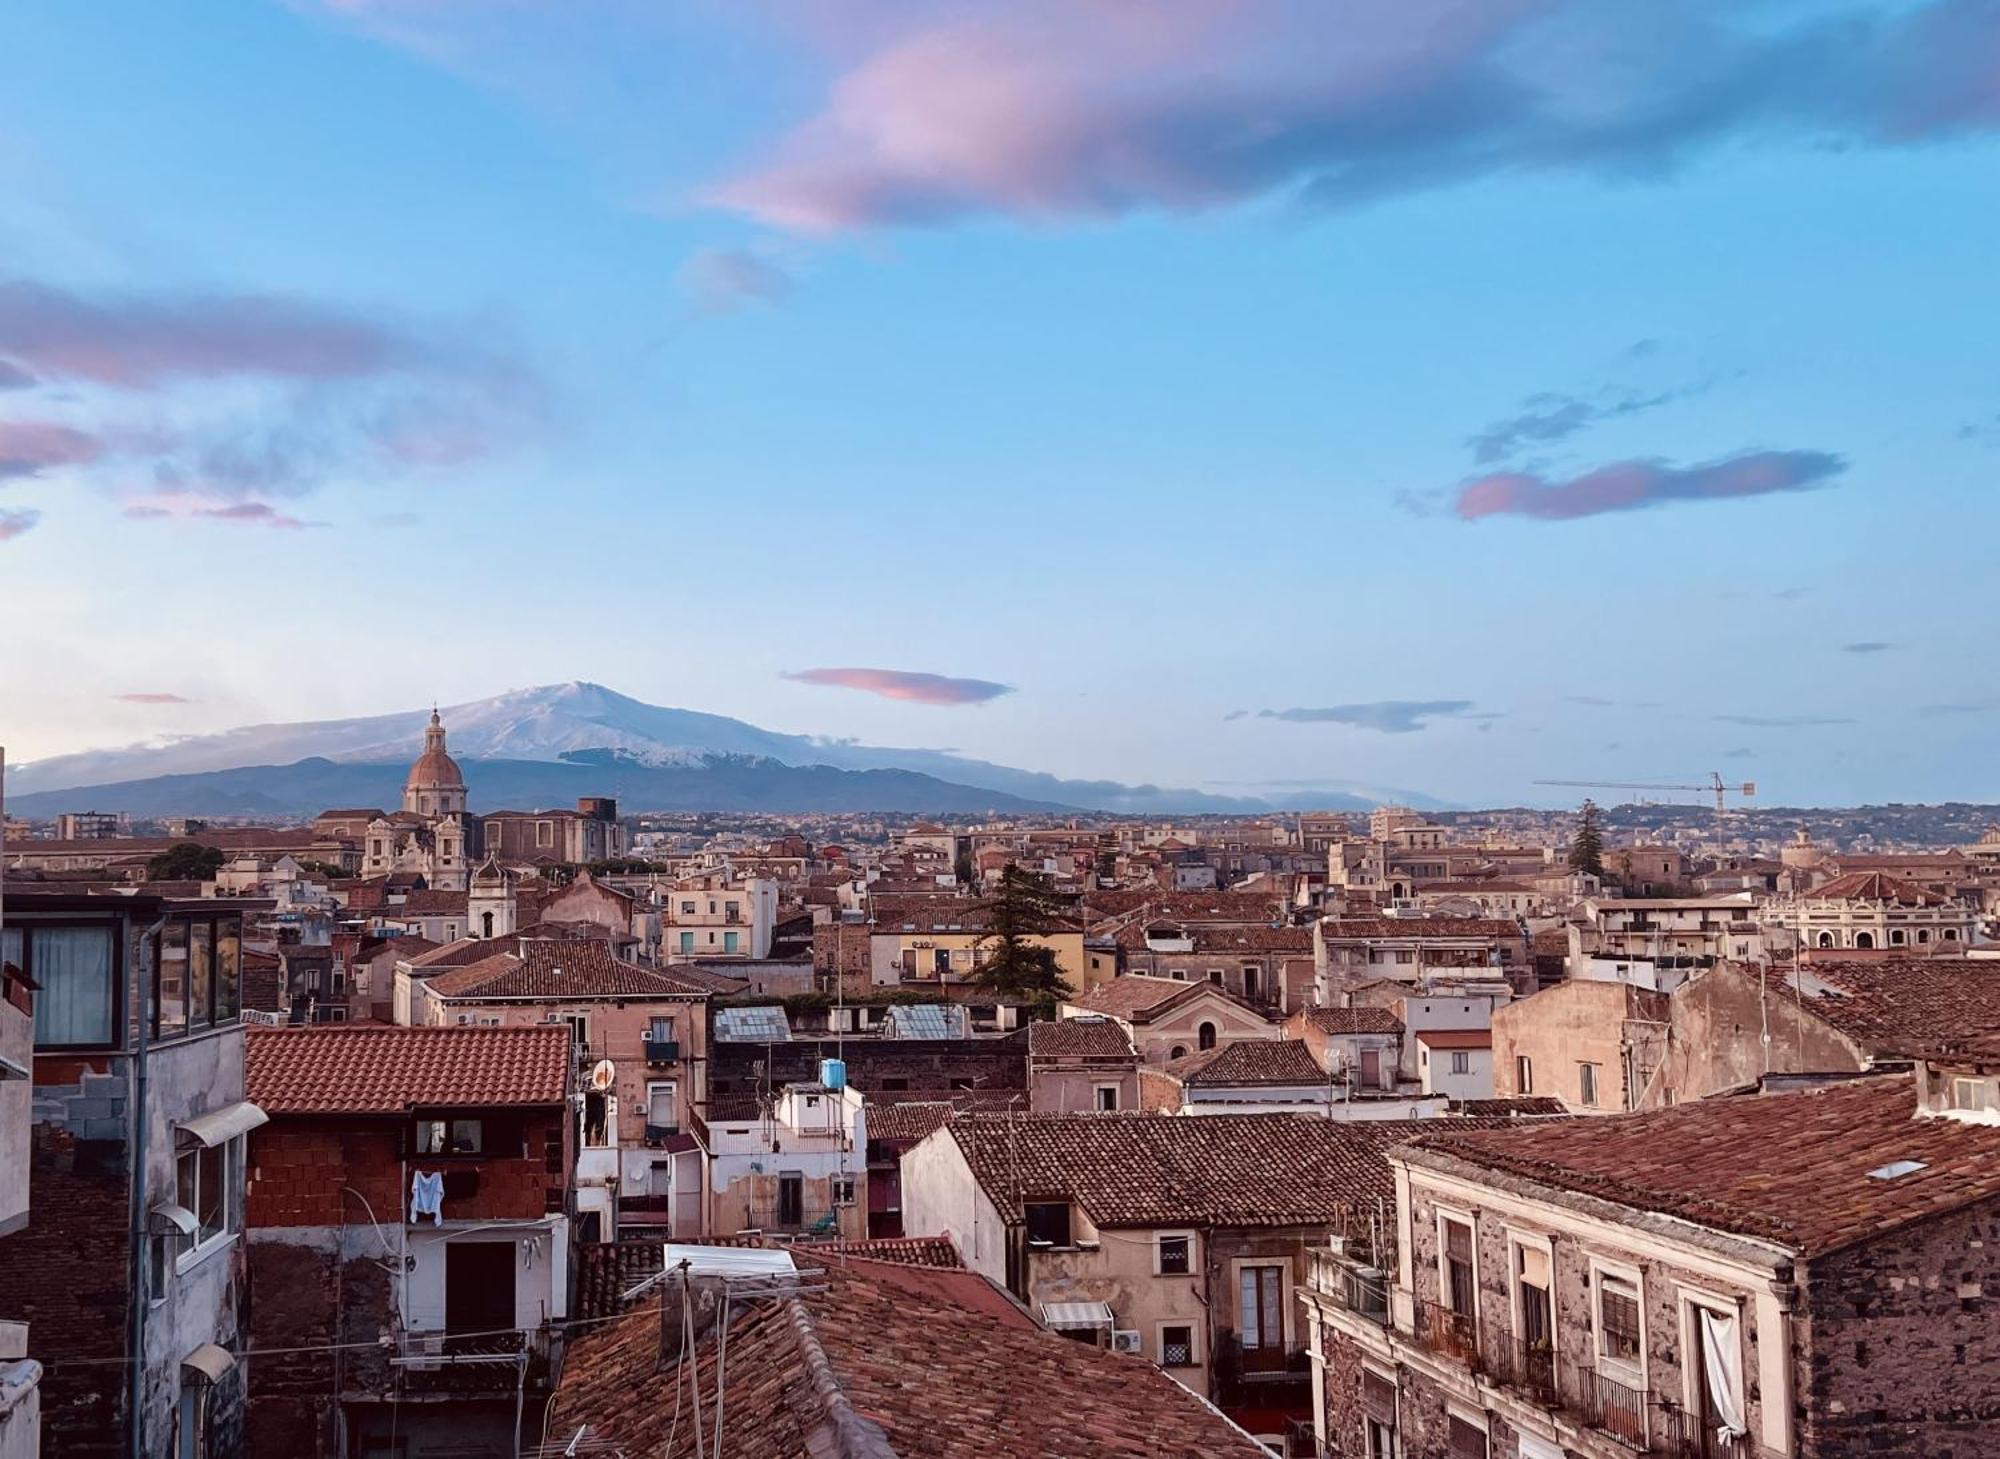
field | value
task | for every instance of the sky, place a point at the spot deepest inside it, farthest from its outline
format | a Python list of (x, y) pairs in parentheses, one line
[(1245, 394)]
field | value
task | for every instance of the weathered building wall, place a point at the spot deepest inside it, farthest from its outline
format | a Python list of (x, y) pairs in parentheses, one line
[(1719, 1020)]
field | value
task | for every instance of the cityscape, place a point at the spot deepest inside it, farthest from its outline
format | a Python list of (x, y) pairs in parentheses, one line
[(999, 729)]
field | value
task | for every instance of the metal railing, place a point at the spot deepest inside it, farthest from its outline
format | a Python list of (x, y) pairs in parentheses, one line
[(1605, 1403), (662, 1051), (1529, 1367), (1450, 1333), (1688, 1436)]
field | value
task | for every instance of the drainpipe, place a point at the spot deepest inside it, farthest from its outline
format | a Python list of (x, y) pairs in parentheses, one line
[(136, 1264)]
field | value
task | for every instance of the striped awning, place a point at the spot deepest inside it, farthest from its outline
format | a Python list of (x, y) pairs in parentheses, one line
[(1069, 1316)]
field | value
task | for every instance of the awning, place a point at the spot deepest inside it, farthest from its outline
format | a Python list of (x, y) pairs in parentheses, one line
[(9, 1069), (167, 1216), (1069, 1316), (210, 1362), (220, 1125)]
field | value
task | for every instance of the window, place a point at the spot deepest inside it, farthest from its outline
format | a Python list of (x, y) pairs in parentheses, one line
[(170, 1001), (1617, 1319), (1378, 1405), (1107, 1098), (1455, 1252), (687, 909), (76, 968), (449, 1137), (660, 1029), (1464, 1439), (1174, 1255), (1215, 976), (661, 1117), (842, 1187), (201, 974), (191, 1421), (1176, 1346), (1968, 1093), (1205, 1035), (204, 1181), (1534, 1308), (687, 942), (729, 943), (1461, 1062), (159, 1263), (1048, 1223), (1586, 1085), (1260, 1310), (1249, 982)]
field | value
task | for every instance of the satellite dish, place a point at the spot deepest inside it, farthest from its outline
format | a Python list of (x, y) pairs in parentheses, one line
[(602, 1075)]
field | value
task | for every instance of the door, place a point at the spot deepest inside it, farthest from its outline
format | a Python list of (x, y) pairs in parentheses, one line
[(1261, 1318), (791, 1199), (1371, 1068), (478, 1286)]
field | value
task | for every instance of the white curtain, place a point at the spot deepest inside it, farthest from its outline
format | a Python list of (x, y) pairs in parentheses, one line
[(73, 966), (1721, 1358)]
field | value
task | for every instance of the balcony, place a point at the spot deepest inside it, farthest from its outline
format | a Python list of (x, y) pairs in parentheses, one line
[(663, 1051), (1605, 1403), (1529, 1367), (1448, 1333), (1363, 1291), (658, 1135)]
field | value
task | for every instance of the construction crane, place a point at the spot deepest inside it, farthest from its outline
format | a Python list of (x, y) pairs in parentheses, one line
[(1716, 786)]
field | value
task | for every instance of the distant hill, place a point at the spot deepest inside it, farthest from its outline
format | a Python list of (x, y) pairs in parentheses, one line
[(672, 759), (721, 783)]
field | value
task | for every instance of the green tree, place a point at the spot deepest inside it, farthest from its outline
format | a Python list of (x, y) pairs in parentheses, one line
[(185, 861), (1023, 906), (1586, 849)]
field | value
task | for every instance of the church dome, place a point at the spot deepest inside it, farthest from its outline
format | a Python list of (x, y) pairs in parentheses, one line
[(434, 769)]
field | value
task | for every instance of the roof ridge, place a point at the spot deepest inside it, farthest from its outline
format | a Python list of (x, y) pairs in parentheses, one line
[(854, 1436)]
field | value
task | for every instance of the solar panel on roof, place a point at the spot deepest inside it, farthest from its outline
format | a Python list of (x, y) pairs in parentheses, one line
[(752, 1025), (927, 1021)]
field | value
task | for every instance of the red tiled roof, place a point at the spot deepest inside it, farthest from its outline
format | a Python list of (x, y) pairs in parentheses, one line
[(1899, 1007), (1381, 929), (907, 1122), (1250, 1062), (1175, 1170), (1361, 1019), (1788, 1168), (554, 970), (1079, 1038), (330, 1069), (1874, 886), (1456, 1038), (452, 954), (886, 1358), (1137, 998)]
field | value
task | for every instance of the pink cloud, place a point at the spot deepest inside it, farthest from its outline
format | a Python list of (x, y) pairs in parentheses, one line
[(1628, 486), (28, 447), (1080, 108), (913, 688), (192, 507), (146, 697), (143, 341), (16, 524)]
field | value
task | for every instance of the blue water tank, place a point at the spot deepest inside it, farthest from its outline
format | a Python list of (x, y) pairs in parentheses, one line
[(833, 1073)]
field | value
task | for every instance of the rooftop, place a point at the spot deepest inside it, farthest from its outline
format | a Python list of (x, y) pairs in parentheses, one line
[(1874, 886), (1138, 998), (552, 970), (1250, 1062), (377, 1069), (1361, 1019), (1087, 1037), (1794, 1169), (881, 1359), (1900, 1007)]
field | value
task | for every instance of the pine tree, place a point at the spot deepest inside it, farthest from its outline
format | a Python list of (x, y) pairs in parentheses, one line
[(1586, 851), (1023, 906)]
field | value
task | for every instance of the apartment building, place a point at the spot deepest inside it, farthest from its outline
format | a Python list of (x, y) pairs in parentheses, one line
[(717, 915)]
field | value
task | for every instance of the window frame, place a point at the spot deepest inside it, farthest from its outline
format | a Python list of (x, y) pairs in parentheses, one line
[(1161, 1240), (446, 1136), (1160, 1331), (1517, 1242), (229, 1171), (1443, 1216), (1587, 1091), (120, 932), (1687, 1300), (1068, 1243), (1629, 1371), (1524, 1074)]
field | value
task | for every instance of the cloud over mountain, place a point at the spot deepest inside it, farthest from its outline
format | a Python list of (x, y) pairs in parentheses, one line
[(915, 688)]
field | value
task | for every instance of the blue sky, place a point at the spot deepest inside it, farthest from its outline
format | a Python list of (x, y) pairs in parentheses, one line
[(1488, 392)]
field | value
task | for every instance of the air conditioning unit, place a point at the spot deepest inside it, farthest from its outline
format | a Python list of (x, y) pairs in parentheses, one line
[(1126, 1340)]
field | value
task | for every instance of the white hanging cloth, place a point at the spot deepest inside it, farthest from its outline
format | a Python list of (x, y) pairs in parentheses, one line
[(1722, 1361), (427, 1196)]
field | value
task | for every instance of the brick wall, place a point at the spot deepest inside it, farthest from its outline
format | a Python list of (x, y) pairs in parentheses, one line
[(312, 1296), (299, 1168), (928, 1068)]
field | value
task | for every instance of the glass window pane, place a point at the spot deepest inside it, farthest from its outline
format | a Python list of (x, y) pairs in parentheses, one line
[(210, 1192), (465, 1137), (170, 1013), (201, 980), (73, 966), (10, 947), (228, 971)]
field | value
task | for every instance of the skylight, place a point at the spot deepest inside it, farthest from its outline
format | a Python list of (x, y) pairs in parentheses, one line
[(1895, 1169)]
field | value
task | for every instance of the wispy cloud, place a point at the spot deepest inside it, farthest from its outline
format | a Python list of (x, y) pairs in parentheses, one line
[(30, 447), (1943, 711), (1053, 108), (1867, 646), (1780, 721), (915, 688), (1548, 418), (719, 280), (1385, 716), (17, 523), (224, 400), (196, 509), (150, 697), (1631, 485)]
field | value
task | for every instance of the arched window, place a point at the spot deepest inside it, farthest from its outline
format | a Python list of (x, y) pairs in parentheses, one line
[(1951, 934), (1923, 934), (1865, 941), (1178, 1051), (1205, 1035), (486, 923), (1895, 937), (1826, 939)]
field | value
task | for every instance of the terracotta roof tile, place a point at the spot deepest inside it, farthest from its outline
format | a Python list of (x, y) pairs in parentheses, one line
[(1789, 1168), (1079, 1038), (1390, 928), (1138, 998), (1361, 1019), (1900, 1007), (563, 970), (886, 1358), (1250, 1062), (331, 1069), (1874, 886)]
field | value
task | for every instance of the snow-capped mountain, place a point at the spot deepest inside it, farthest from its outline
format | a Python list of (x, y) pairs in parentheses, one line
[(561, 721)]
